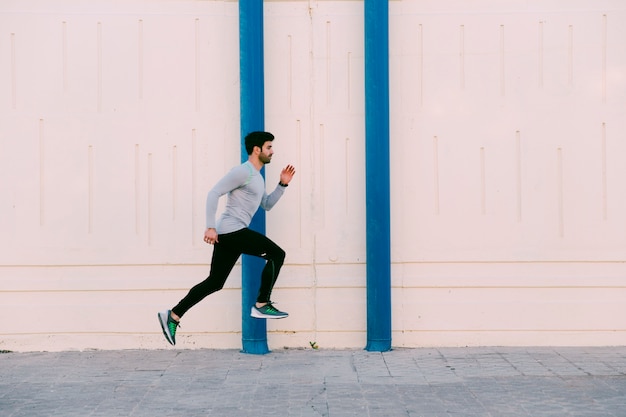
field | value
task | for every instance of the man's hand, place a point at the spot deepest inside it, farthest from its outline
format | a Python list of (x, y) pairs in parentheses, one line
[(287, 174), (210, 236)]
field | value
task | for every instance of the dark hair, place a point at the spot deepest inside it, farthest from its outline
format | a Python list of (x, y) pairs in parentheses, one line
[(257, 139)]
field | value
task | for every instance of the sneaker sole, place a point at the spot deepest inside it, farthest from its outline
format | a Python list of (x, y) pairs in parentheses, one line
[(164, 328), (257, 315)]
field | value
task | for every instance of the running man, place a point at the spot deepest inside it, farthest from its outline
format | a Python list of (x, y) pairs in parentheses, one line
[(231, 237)]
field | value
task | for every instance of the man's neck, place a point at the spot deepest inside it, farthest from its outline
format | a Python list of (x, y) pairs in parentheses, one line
[(256, 162)]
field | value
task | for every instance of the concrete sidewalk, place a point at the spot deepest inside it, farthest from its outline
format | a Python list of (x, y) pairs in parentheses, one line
[(311, 383)]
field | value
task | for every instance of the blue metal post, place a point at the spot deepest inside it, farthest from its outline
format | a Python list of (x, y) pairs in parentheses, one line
[(377, 175), (254, 331)]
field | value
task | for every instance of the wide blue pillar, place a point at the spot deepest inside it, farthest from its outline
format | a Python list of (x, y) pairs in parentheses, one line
[(254, 331), (377, 197)]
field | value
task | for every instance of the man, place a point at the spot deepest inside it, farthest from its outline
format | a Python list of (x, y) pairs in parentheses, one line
[(231, 237)]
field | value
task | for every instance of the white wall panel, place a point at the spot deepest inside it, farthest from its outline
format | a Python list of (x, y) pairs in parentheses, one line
[(506, 135)]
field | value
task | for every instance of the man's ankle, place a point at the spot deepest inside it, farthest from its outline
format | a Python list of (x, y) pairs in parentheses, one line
[(259, 305)]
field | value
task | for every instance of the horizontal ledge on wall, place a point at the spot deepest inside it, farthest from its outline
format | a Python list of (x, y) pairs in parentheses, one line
[(343, 264), (418, 331), (342, 287), (98, 334)]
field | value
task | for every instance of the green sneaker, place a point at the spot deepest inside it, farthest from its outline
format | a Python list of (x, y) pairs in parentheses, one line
[(268, 311), (168, 325)]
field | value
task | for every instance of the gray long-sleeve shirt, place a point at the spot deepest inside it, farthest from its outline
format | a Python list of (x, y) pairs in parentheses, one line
[(246, 192)]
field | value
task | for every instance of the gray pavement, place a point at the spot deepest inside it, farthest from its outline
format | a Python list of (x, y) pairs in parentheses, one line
[(312, 383)]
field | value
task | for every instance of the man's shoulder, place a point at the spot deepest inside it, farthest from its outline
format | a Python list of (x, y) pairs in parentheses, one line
[(242, 173), (238, 170)]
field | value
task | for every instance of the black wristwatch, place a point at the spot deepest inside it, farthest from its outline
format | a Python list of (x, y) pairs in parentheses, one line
[(282, 185)]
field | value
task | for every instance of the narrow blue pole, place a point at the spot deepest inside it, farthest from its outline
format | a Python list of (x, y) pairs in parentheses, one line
[(377, 197), (254, 331)]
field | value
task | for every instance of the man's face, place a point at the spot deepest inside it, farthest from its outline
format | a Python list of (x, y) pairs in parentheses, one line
[(266, 153)]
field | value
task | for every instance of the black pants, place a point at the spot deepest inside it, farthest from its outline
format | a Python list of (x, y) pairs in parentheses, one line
[(225, 254)]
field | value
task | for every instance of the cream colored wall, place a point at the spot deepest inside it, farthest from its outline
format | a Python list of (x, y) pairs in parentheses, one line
[(507, 206)]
